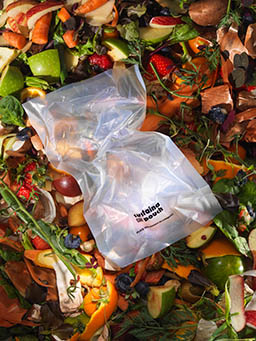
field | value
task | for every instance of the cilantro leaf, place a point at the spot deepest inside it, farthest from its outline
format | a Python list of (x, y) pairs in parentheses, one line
[(226, 186), (248, 193), (226, 222), (11, 111)]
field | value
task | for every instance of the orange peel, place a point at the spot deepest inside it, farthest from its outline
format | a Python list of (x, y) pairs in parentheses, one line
[(31, 92), (100, 316)]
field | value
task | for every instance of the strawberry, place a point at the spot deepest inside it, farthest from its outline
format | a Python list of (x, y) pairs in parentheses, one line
[(40, 244), (103, 61), (162, 64)]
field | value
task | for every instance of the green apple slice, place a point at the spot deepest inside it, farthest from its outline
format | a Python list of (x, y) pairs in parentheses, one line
[(160, 298), (7, 55), (11, 80), (154, 35), (118, 48), (200, 237), (45, 64)]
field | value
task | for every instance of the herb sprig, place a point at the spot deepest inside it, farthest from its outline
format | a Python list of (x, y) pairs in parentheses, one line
[(51, 233), (179, 253)]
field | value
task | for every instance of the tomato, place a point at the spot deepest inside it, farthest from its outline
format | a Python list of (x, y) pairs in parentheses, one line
[(218, 269), (67, 185), (81, 231)]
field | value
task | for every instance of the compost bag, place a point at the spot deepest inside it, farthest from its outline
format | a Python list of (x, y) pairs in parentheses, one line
[(140, 192)]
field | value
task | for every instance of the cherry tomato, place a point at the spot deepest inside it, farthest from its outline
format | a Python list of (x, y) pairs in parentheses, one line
[(67, 185), (82, 231)]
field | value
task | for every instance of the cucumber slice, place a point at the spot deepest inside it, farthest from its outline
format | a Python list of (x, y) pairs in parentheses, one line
[(118, 48), (200, 237), (154, 35), (160, 298)]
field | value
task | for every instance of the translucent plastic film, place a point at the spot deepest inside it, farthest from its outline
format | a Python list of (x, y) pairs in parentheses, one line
[(141, 194)]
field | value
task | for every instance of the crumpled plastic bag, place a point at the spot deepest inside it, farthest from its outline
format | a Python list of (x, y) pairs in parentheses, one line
[(140, 192)]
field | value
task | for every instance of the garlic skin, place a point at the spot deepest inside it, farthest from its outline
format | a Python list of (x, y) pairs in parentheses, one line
[(68, 304), (87, 246)]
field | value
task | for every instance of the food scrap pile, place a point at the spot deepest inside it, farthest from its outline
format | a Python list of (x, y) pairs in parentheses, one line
[(197, 59)]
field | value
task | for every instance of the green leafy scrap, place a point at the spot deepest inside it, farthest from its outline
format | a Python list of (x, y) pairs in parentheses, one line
[(226, 222), (144, 327), (11, 111), (248, 193), (10, 255), (130, 31), (226, 186), (183, 32)]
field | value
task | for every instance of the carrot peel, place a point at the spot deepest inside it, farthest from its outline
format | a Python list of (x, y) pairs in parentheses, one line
[(41, 29), (89, 6), (63, 15), (69, 38), (14, 39)]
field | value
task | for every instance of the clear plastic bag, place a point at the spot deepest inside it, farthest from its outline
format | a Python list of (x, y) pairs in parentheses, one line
[(140, 192)]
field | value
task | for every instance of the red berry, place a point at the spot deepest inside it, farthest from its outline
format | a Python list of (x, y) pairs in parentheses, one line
[(40, 244), (24, 192), (162, 64), (30, 167), (103, 61)]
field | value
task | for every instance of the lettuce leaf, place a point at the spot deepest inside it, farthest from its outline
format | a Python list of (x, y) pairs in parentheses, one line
[(11, 111)]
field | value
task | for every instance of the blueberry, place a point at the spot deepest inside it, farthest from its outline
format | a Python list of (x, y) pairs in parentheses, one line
[(123, 282), (142, 288), (72, 242), (24, 134), (241, 178), (217, 114)]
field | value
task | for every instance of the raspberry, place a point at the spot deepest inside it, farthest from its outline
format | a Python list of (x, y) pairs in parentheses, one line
[(102, 61)]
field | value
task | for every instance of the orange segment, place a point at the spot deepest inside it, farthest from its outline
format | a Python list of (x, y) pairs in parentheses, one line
[(91, 300), (43, 258), (181, 270), (219, 248), (101, 315), (31, 92), (196, 42), (230, 169), (89, 278)]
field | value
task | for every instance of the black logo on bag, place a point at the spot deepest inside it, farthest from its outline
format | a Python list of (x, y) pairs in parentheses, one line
[(148, 213)]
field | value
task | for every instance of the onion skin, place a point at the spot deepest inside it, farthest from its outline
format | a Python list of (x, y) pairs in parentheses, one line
[(208, 12)]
